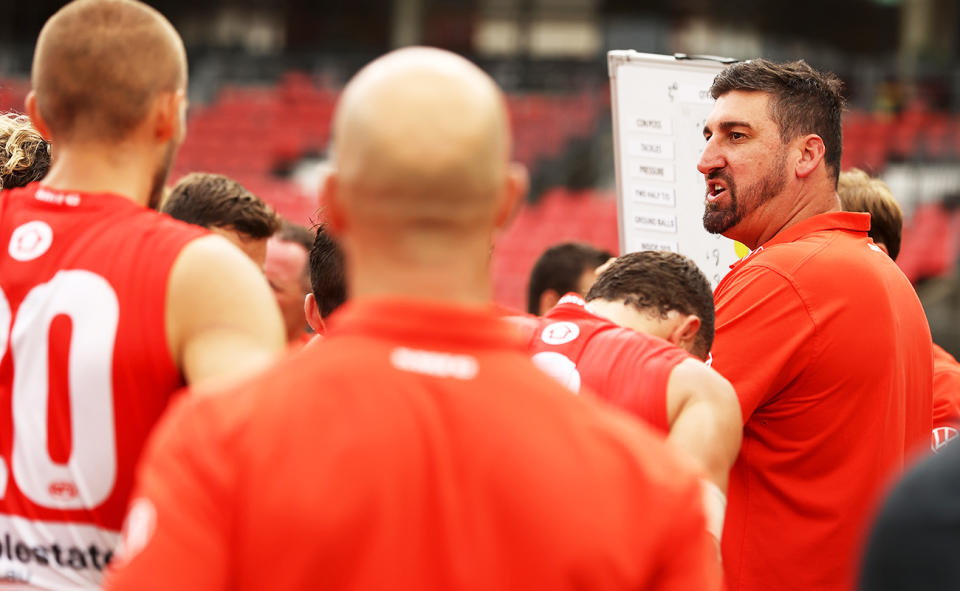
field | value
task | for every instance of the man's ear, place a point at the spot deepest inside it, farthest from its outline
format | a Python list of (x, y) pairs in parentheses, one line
[(30, 104), (548, 299), (332, 208), (312, 312), (515, 189), (812, 152), (169, 116), (684, 333)]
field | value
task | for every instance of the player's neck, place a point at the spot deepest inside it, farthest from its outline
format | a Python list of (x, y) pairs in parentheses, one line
[(87, 169), (465, 280)]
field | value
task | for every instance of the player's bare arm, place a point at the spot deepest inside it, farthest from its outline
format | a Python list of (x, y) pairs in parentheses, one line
[(705, 422), (222, 319)]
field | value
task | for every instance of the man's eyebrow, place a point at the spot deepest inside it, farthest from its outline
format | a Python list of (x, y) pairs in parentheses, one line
[(725, 125)]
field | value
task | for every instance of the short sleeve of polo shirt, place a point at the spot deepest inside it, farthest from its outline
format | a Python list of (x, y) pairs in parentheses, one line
[(182, 481), (763, 331)]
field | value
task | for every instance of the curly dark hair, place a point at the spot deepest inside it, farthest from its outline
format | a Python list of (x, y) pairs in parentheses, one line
[(658, 282)]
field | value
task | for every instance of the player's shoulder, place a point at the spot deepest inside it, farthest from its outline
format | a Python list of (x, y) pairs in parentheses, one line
[(620, 340)]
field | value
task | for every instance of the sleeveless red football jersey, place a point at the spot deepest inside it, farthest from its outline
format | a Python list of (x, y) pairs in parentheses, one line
[(85, 372), (627, 368)]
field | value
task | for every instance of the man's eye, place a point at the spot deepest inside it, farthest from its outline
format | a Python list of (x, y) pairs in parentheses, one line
[(736, 135)]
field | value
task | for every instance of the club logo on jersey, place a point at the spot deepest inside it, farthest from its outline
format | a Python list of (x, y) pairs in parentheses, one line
[(63, 490), (941, 437), (559, 333), (30, 240)]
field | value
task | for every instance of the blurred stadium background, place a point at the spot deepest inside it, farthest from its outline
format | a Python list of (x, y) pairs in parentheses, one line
[(265, 74)]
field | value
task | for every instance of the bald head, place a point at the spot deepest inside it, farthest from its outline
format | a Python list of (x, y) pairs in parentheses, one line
[(99, 63), (421, 137)]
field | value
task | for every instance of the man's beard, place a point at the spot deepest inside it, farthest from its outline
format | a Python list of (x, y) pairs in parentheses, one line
[(160, 176), (717, 219)]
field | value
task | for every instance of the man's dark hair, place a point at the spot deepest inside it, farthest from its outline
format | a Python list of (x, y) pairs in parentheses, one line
[(658, 282), (803, 100), (215, 201), (559, 268), (327, 275), (290, 232)]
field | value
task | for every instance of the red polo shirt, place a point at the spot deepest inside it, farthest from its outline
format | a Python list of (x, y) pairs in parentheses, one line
[(415, 447), (828, 349)]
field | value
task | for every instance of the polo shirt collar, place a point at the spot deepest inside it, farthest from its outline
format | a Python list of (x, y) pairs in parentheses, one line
[(426, 323), (838, 220)]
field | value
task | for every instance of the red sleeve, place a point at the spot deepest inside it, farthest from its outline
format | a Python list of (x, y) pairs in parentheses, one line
[(184, 478), (763, 335)]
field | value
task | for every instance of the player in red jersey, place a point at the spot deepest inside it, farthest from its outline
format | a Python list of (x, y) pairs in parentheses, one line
[(416, 446), (819, 332), (105, 305), (624, 343), (859, 192)]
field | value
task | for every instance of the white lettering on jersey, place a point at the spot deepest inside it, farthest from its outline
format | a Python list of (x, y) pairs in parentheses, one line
[(941, 437), (71, 199), (559, 333), (559, 367), (441, 365), (30, 241), (52, 555), (88, 477)]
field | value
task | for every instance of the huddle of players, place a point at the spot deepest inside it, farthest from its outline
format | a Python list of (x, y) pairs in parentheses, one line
[(417, 446)]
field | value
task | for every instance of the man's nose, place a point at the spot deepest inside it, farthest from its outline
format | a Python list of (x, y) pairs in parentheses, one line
[(711, 159)]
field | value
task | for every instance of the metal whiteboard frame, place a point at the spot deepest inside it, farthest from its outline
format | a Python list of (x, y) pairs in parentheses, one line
[(620, 57)]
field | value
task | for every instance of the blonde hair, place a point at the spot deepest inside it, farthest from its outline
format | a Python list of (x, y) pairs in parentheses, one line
[(24, 154), (860, 192)]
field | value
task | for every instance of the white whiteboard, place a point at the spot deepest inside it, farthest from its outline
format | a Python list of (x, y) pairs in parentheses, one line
[(660, 105)]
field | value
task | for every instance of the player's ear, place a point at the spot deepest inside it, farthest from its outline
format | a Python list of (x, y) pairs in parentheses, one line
[(30, 104), (168, 116), (684, 333), (548, 299), (312, 312), (516, 185), (812, 152)]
